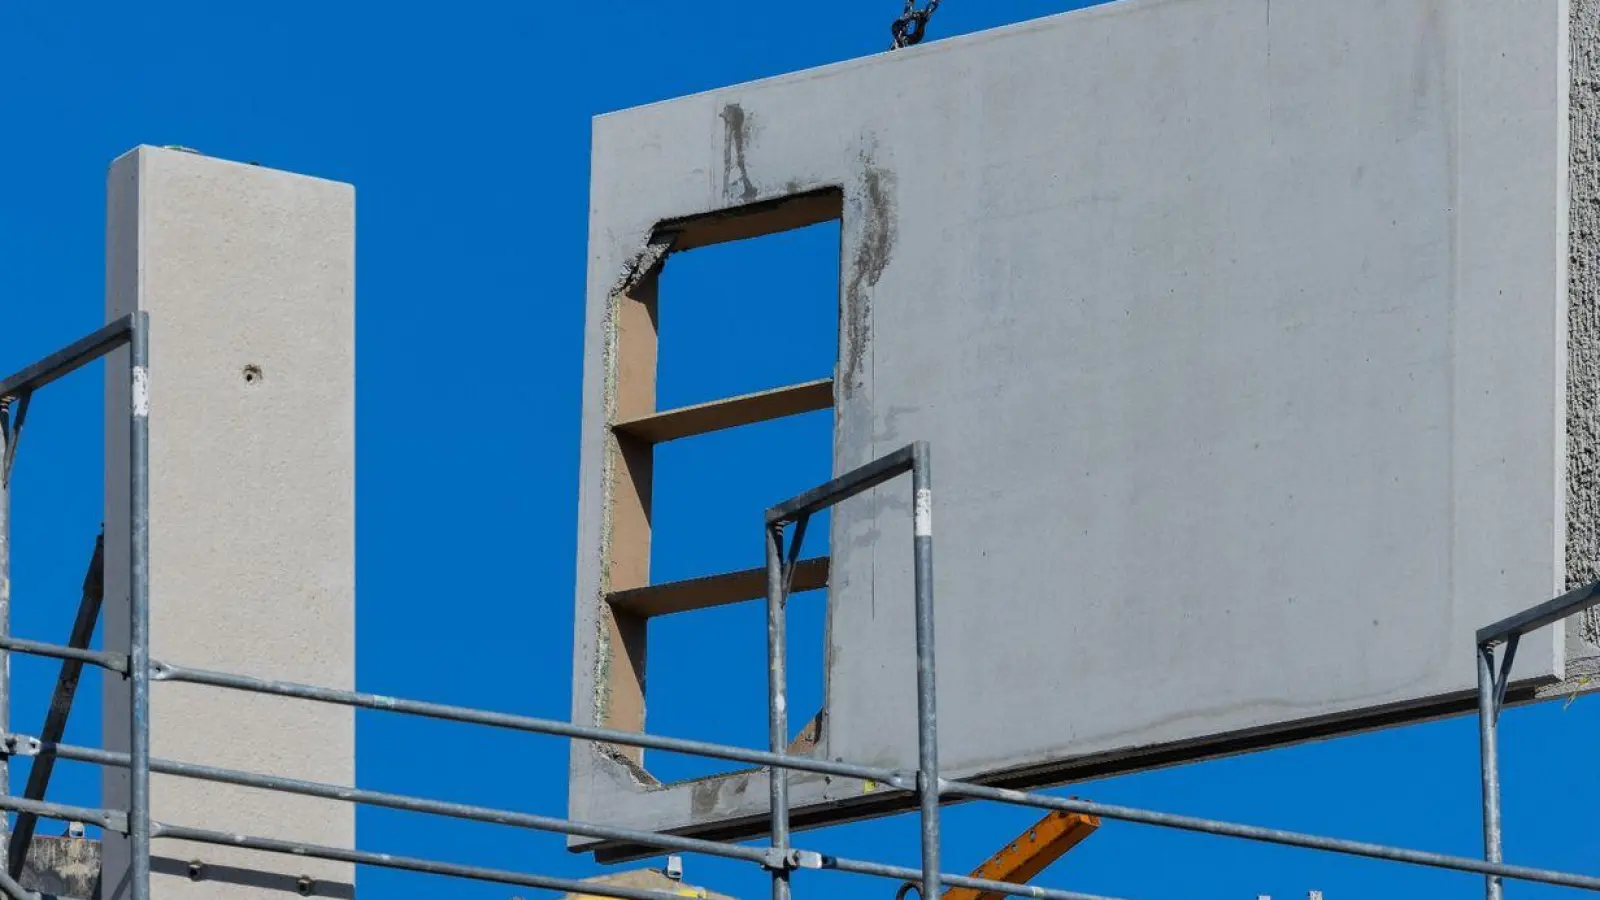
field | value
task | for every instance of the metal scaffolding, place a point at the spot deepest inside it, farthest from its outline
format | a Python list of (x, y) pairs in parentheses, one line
[(781, 859), (16, 395)]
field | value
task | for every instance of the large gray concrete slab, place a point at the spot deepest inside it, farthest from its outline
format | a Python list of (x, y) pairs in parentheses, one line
[(248, 275), (1239, 332)]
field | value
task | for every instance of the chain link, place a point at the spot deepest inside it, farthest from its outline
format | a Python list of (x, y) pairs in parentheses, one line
[(912, 25)]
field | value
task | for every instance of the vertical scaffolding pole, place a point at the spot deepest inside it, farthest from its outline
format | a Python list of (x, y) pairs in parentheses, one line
[(1489, 753), (139, 611), (927, 716), (777, 705), (5, 614)]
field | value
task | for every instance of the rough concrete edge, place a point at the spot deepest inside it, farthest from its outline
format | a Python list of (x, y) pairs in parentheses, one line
[(1583, 336), (601, 687), (647, 263)]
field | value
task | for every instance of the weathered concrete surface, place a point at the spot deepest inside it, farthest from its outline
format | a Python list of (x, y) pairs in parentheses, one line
[(248, 275), (1238, 328), (63, 867)]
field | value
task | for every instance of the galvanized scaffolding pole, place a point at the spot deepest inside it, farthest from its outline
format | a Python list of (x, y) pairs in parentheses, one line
[(107, 819), (22, 745), (915, 459), (18, 390), (1493, 682), (162, 671), (408, 863), (66, 690), (1277, 836), (777, 707), (139, 609), (782, 859), (111, 662), (927, 671), (114, 820), (1489, 757), (5, 611)]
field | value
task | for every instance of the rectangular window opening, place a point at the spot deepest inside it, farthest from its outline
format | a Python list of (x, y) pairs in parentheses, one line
[(707, 676), (706, 666), (723, 406), (749, 316)]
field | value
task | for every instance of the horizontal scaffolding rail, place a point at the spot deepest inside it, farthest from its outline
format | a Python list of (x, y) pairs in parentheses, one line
[(780, 859), (1549, 613), (69, 359), (110, 819), (1272, 836), (167, 672), (111, 662), (22, 745), (406, 863), (133, 332)]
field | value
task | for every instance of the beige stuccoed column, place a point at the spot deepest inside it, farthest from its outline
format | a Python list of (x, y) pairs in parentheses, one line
[(248, 277)]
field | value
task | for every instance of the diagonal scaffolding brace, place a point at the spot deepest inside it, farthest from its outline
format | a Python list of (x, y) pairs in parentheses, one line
[(55, 721)]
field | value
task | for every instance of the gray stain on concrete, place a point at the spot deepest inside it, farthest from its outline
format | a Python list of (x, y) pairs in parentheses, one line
[(722, 793), (736, 133), (873, 253)]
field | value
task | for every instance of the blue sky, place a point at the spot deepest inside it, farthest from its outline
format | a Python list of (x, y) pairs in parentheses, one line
[(466, 131)]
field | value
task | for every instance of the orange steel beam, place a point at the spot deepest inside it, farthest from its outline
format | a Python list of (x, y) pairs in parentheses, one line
[(1031, 853)]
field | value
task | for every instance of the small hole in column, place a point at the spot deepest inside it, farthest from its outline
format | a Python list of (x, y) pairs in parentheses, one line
[(252, 374)]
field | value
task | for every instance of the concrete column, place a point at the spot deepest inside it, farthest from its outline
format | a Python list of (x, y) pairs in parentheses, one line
[(248, 276)]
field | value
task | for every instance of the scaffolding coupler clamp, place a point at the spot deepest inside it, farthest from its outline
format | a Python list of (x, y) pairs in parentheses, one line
[(779, 860), (19, 745)]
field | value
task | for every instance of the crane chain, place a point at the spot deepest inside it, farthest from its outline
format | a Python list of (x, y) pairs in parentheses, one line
[(912, 26)]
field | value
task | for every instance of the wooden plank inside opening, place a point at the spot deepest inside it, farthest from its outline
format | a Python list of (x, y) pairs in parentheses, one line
[(755, 220), (714, 590), (628, 498), (747, 409)]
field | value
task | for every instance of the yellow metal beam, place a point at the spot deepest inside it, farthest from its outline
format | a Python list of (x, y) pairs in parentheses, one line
[(1031, 853)]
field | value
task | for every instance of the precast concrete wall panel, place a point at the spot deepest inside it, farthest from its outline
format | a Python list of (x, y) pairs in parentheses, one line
[(1237, 329)]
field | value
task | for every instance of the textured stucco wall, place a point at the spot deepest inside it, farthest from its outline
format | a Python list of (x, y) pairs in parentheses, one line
[(1583, 344), (248, 276), (1583, 336)]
